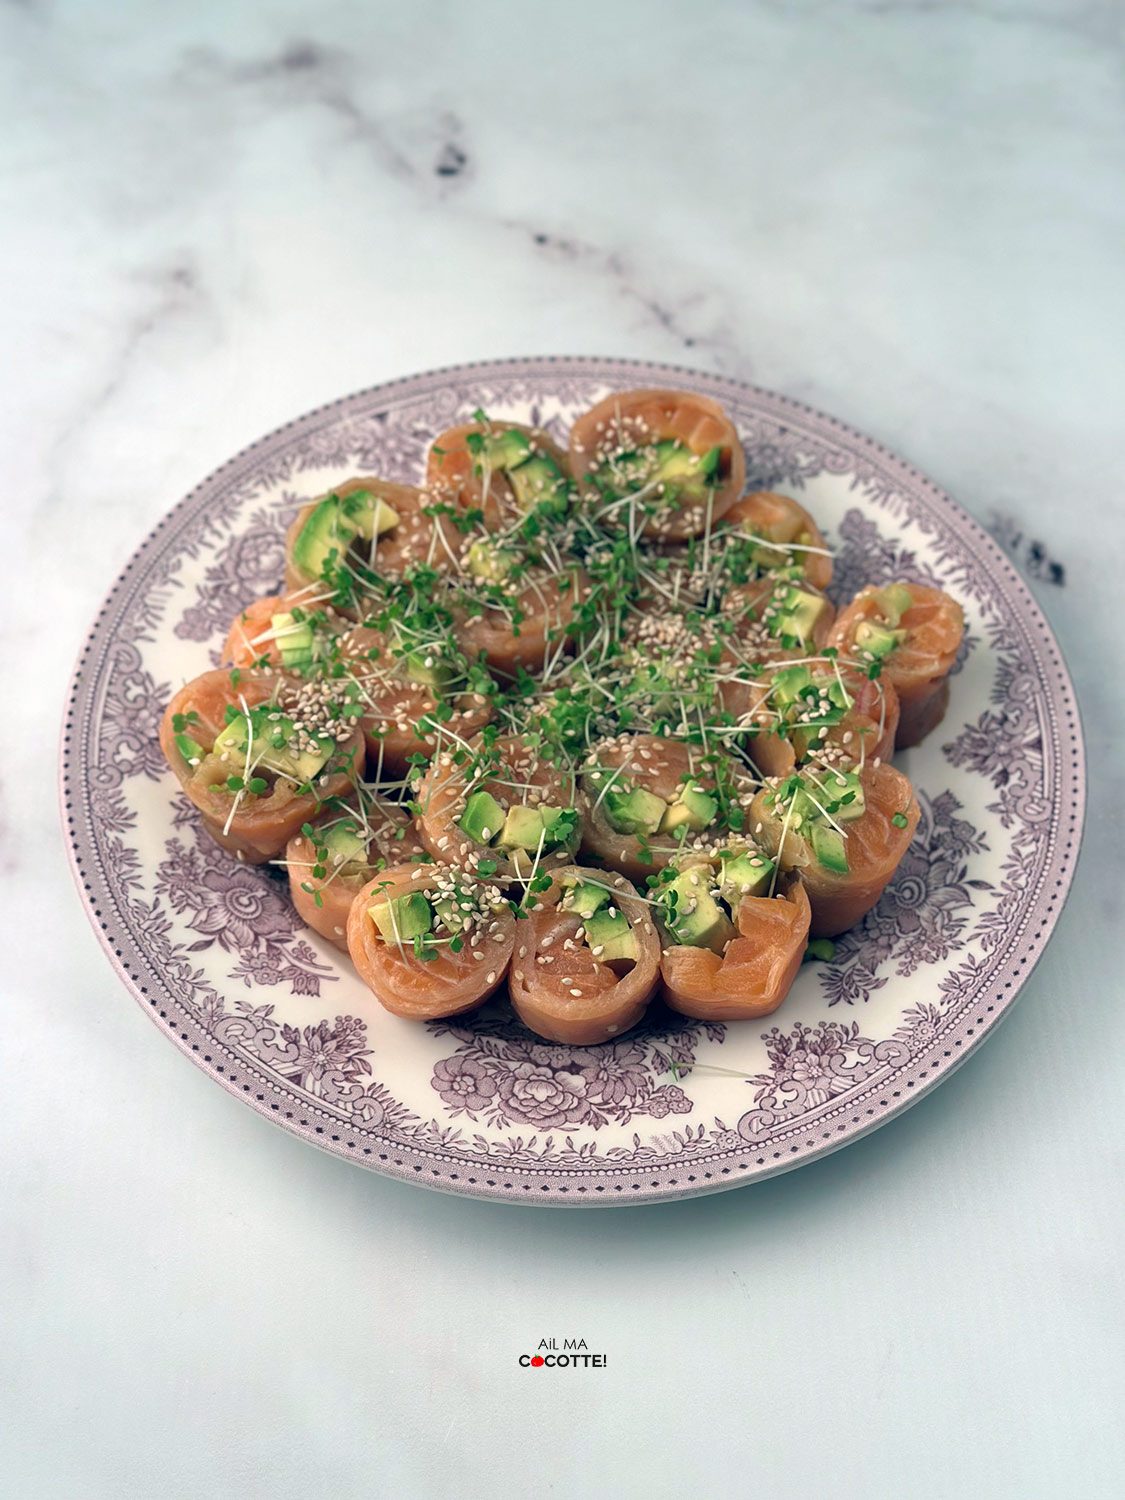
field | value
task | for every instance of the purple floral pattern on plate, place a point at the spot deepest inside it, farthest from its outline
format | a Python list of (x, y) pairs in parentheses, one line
[(215, 953)]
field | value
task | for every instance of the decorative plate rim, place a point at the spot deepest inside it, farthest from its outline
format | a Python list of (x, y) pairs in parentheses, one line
[(622, 1183)]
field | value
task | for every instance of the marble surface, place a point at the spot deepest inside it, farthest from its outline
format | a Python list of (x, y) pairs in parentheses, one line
[(215, 217)]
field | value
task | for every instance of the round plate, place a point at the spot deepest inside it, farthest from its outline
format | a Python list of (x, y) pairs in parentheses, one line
[(217, 957)]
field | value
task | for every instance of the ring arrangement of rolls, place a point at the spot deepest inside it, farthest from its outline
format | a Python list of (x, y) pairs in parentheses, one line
[(576, 726)]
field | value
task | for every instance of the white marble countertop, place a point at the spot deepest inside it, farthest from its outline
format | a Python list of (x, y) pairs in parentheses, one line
[(215, 217)]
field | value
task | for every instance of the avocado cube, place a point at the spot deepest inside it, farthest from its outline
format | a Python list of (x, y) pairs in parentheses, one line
[(634, 811), (693, 808), (790, 684), (559, 824), (841, 784), (522, 829), (828, 846), (403, 918), (894, 601), (449, 914), (584, 900), (879, 640), (270, 746), (483, 817), (692, 915), (294, 640), (798, 615), (745, 875), (370, 514), (537, 481), (425, 669), (343, 842), (507, 450), (610, 936), (326, 531), (488, 562), (191, 750)]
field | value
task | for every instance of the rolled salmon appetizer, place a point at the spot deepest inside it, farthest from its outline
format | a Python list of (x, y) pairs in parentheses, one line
[(821, 713), (587, 959), (914, 633), (517, 623), (257, 758), (342, 850), (430, 940), (843, 832), (416, 690), (643, 799), (499, 807), (363, 531), (501, 469), (784, 536), (664, 464), (734, 933), (294, 633)]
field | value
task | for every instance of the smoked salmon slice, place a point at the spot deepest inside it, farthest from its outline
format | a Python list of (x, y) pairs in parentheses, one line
[(499, 801), (587, 959), (914, 633), (845, 860), (341, 850), (643, 798), (258, 757), (761, 946), (662, 464), (430, 940), (502, 470), (788, 535)]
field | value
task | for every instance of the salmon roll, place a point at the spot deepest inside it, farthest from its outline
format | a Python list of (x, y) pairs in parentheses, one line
[(644, 798), (501, 469), (822, 713), (783, 535), (843, 831), (416, 690), (518, 621), (500, 807), (587, 959), (914, 634), (294, 633), (257, 758), (364, 531), (430, 940), (734, 933), (340, 851), (663, 464)]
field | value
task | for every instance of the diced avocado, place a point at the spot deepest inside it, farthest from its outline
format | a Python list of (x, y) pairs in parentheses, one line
[(790, 683), (294, 640), (425, 668), (798, 614), (634, 811), (745, 875), (878, 639), (522, 829), (828, 846), (344, 843), (403, 918), (507, 450), (690, 473), (693, 808), (488, 562), (538, 481), (271, 747), (693, 916), (584, 900), (370, 514), (610, 936), (483, 817), (839, 785), (894, 601), (326, 532), (191, 750), (448, 912)]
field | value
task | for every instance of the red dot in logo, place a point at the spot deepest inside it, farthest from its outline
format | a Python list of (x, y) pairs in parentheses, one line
[(536, 1359)]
